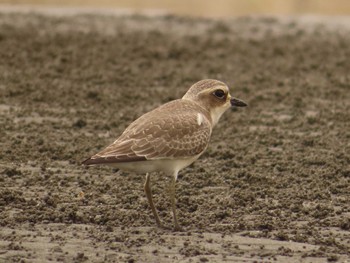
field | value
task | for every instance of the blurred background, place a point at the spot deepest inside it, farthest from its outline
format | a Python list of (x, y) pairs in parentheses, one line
[(200, 8)]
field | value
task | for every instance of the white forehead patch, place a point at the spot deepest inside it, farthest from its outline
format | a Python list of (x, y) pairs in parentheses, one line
[(199, 119)]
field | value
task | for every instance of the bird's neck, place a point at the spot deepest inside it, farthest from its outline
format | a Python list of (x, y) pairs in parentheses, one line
[(202, 110)]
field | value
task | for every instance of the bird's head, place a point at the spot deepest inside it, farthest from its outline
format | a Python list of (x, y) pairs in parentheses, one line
[(214, 96)]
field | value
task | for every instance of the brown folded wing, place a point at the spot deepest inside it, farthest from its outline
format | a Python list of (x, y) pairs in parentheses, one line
[(174, 130)]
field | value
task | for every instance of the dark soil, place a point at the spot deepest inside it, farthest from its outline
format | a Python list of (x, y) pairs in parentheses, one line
[(274, 184)]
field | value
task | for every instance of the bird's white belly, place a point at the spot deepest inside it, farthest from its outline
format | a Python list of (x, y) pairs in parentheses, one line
[(168, 166)]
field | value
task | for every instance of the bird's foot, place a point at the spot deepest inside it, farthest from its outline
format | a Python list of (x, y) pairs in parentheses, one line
[(161, 226), (178, 228)]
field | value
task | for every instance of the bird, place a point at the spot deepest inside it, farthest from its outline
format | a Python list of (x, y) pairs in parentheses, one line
[(169, 137)]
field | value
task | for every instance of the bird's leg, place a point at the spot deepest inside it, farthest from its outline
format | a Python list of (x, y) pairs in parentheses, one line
[(173, 202), (150, 201)]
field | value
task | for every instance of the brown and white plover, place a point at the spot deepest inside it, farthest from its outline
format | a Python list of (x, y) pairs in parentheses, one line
[(170, 137)]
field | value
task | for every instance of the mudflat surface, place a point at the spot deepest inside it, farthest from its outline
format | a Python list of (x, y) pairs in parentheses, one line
[(273, 186)]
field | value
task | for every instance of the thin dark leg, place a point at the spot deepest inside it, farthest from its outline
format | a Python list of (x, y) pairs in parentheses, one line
[(173, 202), (150, 200)]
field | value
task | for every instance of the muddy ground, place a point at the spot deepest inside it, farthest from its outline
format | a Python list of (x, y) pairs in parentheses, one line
[(274, 185)]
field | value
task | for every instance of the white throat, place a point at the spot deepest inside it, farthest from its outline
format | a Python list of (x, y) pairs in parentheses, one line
[(216, 113)]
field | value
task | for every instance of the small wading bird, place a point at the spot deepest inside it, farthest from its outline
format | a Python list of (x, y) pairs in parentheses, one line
[(170, 137)]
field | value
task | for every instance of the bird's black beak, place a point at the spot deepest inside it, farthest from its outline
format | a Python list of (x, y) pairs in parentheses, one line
[(238, 103)]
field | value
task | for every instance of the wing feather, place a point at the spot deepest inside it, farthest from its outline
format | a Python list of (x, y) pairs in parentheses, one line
[(170, 131)]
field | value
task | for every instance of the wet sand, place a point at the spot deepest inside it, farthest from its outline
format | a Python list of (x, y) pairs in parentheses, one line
[(273, 185)]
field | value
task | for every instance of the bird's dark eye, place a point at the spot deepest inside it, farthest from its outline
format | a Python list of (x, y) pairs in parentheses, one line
[(219, 93)]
